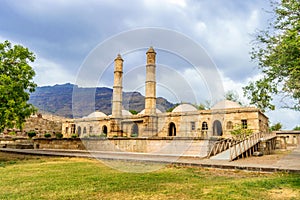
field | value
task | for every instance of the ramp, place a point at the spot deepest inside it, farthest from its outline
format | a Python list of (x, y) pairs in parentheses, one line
[(237, 147)]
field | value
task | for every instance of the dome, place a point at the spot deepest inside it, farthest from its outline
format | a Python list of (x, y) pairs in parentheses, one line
[(143, 111), (185, 108), (226, 104), (96, 114), (126, 113)]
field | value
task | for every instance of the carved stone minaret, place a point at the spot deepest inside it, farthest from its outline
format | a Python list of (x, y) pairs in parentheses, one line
[(117, 88), (150, 118), (116, 126), (150, 93)]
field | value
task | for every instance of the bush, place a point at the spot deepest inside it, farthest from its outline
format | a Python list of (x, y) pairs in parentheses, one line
[(59, 135), (31, 134), (102, 135), (74, 136), (12, 133), (134, 135), (239, 130), (47, 135)]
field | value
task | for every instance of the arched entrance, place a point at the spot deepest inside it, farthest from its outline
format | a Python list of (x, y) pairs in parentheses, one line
[(172, 129), (217, 128), (79, 131), (134, 130), (104, 130)]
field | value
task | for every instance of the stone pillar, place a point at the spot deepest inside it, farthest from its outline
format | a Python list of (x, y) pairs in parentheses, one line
[(150, 118), (150, 87), (116, 128)]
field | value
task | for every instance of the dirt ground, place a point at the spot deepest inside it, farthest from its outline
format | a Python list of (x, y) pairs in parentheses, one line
[(265, 159)]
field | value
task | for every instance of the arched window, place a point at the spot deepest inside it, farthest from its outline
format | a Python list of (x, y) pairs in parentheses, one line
[(229, 125), (204, 126), (172, 129), (217, 128), (79, 130), (104, 130), (134, 130), (84, 130)]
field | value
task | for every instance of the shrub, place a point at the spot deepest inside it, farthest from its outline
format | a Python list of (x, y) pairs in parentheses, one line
[(134, 135), (47, 135), (102, 135), (74, 136), (59, 135), (31, 134), (239, 130), (12, 133)]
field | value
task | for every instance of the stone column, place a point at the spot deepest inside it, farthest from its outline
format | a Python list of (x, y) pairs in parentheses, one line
[(150, 87), (116, 128)]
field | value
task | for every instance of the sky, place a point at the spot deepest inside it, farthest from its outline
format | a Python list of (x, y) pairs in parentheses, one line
[(76, 41)]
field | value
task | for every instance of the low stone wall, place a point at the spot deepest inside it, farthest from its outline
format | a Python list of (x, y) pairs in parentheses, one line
[(53, 143), (169, 146)]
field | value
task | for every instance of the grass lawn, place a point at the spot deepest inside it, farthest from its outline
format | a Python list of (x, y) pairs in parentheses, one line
[(33, 177)]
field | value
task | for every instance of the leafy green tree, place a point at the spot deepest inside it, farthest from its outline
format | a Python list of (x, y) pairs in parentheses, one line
[(277, 52), (297, 128), (276, 127), (233, 96), (15, 85)]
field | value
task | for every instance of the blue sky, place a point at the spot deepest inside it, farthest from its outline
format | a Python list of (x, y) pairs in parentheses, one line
[(62, 34)]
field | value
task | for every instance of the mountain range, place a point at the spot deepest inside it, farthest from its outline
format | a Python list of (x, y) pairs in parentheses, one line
[(69, 100)]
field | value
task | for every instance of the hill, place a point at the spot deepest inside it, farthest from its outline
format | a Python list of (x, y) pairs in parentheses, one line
[(58, 100)]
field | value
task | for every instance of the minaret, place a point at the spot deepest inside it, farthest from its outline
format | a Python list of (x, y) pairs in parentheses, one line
[(150, 93), (117, 88), (115, 123), (150, 118)]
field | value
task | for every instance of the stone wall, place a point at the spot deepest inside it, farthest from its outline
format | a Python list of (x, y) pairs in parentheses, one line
[(170, 146), (53, 143)]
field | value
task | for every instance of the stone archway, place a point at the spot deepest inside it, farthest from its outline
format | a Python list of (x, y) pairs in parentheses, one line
[(172, 129), (104, 130), (217, 128), (134, 130)]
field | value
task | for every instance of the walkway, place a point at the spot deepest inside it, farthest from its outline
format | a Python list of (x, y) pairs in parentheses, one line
[(287, 163)]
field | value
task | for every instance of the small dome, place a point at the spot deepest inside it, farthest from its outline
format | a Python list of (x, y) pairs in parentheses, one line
[(226, 104), (143, 111), (185, 108), (96, 114), (126, 113)]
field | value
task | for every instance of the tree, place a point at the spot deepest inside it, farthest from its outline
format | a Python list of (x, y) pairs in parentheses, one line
[(277, 51), (15, 85), (276, 127), (297, 128), (233, 96)]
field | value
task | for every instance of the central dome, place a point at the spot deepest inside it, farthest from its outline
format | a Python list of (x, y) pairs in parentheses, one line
[(185, 108)]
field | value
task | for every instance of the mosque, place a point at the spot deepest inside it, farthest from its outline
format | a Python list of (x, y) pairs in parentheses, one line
[(185, 121)]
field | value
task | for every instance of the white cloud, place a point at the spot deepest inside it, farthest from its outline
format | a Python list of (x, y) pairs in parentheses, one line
[(50, 73)]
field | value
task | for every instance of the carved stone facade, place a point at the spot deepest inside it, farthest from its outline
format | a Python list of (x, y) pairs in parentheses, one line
[(184, 121)]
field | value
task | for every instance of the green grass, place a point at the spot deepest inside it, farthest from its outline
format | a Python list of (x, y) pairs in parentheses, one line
[(33, 177)]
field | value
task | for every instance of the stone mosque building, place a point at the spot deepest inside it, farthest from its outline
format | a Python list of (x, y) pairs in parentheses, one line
[(184, 121)]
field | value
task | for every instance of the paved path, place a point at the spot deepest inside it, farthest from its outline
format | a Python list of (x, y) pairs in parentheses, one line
[(288, 163)]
